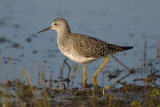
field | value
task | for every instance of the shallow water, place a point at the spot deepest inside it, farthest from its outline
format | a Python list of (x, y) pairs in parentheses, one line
[(118, 22)]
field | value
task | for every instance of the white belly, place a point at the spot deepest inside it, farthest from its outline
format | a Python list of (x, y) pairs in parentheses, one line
[(79, 59)]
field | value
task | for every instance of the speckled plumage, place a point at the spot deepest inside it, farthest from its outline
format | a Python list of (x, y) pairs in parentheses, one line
[(82, 48)]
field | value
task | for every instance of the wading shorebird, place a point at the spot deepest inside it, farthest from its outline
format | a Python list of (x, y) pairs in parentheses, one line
[(82, 48)]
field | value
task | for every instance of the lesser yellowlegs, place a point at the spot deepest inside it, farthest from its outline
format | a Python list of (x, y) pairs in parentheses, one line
[(82, 48)]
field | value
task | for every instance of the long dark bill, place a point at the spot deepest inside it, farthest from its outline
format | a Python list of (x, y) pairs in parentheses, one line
[(45, 29)]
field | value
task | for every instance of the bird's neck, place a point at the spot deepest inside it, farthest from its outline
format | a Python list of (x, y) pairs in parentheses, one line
[(62, 33), (62, 38)]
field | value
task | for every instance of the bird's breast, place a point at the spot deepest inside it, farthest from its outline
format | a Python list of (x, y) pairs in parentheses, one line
[(63, 45)]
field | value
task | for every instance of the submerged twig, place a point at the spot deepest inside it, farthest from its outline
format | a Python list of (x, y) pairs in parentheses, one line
[(61, 75), (120, 62), (145, 54), (74, 70), (158, 50), (51, 79), (64, 60), (1, 68), (118, 81)]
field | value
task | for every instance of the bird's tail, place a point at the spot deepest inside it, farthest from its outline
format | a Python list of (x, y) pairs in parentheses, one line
[(115, 48), (126, 47)]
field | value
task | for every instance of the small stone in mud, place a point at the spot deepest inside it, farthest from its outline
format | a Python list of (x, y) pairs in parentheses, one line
[(2, 22), (16, 26), (34, 35), (44, 61), (16, 45), (2, 39), (5, 62), (52, 39), (34, 51), (55, 81), (14, 63), (21, 55), (28, 39)]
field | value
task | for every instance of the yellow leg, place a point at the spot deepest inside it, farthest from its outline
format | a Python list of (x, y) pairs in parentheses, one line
[(85, 76), (95, 75)]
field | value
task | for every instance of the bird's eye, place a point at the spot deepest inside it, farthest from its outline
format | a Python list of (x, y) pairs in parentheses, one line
[(55, 24)]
